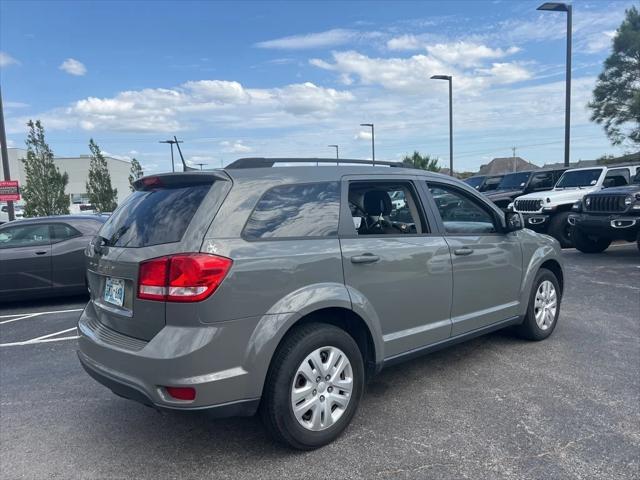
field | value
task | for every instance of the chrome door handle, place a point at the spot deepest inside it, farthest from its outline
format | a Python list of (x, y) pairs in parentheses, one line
[(463, 251), (365, 258)]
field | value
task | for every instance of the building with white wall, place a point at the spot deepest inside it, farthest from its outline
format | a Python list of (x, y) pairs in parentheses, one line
[(78, 170)]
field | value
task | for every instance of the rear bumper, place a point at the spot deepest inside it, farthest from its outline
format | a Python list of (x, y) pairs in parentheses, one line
[(614, 227), (131, 392), (210, 358)]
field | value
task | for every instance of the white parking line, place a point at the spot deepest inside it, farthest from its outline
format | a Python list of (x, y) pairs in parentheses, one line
[(42, 339), (24, 316)]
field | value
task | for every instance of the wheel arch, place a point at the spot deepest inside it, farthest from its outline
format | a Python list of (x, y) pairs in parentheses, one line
[(554, 267)]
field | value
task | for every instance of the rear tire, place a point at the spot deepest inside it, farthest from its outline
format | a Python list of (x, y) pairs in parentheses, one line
[(560, 229), (544, 307), (587, 244), (324, 407)]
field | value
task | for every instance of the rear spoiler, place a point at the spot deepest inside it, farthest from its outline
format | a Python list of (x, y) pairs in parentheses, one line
[(180, 179)]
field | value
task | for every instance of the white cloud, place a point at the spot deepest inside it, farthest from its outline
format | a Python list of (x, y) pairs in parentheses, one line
[(362, 135), (329, 38), (7, 60), (410, 75), (467, 54), (405, 42), (598, 42), (211, 101), (73, 67), (235, 147)]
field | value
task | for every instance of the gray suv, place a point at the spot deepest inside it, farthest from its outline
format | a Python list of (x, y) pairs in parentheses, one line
[(283, 290)]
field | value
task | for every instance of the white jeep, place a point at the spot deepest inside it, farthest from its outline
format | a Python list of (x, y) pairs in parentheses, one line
[(547, 212)]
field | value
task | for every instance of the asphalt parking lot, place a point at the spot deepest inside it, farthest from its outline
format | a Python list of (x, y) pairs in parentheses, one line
[(495, 407)]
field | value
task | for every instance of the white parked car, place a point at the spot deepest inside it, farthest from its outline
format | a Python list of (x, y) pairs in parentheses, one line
[(18, 211), (547, 212)]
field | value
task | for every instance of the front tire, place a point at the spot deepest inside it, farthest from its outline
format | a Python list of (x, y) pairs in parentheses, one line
[(313, 386), (587, 244), (560, 229), (544, 307)]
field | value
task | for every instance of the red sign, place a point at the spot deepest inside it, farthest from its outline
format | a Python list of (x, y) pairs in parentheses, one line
[(9, 190)]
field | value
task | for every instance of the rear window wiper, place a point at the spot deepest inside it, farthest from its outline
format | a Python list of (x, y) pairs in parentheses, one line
[(117, 235)]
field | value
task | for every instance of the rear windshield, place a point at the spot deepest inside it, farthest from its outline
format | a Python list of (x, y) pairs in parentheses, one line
[(152, 217)]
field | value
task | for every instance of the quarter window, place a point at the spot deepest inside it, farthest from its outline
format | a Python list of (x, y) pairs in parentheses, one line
[(541, 180), (25, 236), (460, 213), (302, 210)]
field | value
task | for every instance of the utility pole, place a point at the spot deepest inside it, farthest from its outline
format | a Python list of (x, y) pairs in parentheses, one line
[(337, 154), (200, 165), (173, 142), (515, 165), (5, 158), (373, 142), (449, 79)]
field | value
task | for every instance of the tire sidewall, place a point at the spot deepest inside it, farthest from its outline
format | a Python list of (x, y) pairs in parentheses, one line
[(535, 331), (326, 335), (584, 243)]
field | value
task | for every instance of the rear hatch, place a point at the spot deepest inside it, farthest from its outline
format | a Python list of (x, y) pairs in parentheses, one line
[(166, 214)]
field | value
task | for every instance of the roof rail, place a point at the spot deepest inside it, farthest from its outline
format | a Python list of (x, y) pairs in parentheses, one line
[(261, 162)]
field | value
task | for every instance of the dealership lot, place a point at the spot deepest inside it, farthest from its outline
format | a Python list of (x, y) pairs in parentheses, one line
[(495, 407)]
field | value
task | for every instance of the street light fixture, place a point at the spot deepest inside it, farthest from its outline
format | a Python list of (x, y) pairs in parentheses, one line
[(449, 78), (173, 142), (373, 142), (563, 7), (337, 154)]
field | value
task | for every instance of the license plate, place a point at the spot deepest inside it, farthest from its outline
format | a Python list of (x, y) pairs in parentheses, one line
[(114, 291)]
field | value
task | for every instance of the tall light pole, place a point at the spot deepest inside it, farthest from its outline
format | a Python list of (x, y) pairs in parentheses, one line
[(201, 165), (337, 154), (449, 78), (564, 7), (5, 159), (173, 142), (373, 142)]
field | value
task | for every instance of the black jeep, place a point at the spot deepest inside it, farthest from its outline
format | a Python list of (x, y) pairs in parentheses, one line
[(520, 183), (607, 215)]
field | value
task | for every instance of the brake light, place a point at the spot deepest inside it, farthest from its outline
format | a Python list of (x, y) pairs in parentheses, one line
[(189, 277)]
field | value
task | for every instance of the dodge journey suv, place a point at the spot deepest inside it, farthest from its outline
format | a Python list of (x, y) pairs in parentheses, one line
[(283, 289)]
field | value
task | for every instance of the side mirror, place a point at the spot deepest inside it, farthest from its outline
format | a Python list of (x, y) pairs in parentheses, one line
[(513, 221)]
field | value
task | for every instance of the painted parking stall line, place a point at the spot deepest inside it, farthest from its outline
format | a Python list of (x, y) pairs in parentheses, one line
[(43, 339), (14, 317)]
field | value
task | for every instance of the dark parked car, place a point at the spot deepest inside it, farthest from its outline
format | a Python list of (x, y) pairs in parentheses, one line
[(607, 215), (484, 183), (520, 183), (283, 289), (45, 256)]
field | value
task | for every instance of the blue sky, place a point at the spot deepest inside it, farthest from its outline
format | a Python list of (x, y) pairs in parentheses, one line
[(287, 78)]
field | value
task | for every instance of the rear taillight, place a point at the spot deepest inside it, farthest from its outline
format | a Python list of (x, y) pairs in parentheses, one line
[(189, 277)]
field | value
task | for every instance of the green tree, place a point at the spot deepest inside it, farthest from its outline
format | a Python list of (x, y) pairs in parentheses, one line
[(423, 162), (135, 172), (616, 97), (99, 190), (43, 192)]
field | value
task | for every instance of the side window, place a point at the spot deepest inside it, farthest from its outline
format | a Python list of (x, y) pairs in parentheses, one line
[(461, 213), (24, 236), (62, 231), (541, 180), (617, 178), (385, 208), (302, 210)]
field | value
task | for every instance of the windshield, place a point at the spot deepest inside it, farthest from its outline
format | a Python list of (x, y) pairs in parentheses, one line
[(152, 217), (514, 181), (475, 182), (579, 178)]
